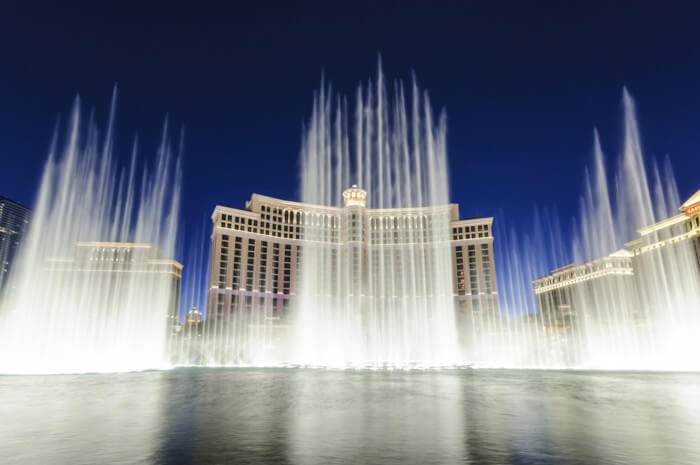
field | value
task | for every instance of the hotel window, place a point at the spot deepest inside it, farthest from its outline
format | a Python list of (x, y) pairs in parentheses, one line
[(235, 278), (220, 304)]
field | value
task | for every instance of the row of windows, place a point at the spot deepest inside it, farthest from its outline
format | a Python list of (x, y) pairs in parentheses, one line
[(585, 270), (250, 266), (470, 232), (324, 227), (284, 260), (356, 234), (270, 306), (288, 224)]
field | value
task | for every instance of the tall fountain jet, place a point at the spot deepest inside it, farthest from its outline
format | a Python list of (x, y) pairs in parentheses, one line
[(376, 286), (94, 289), (631, 299)]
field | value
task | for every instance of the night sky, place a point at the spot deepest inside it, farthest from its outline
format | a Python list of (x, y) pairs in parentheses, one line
[(523, 87)]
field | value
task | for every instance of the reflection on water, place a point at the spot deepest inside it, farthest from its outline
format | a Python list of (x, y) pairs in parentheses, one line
[(80, 419), (318, 416)]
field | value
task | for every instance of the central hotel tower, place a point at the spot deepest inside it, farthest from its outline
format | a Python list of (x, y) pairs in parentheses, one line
[(257, 252)]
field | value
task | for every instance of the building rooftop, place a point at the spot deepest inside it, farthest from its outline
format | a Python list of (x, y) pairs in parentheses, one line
[(692, 204), (352, 196), (6, 199)]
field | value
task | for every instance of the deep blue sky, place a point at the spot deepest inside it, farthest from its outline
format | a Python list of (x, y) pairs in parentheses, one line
[(523, 83)]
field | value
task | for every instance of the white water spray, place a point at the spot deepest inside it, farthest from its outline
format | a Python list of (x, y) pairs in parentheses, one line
[(376, 286), (95, 289)]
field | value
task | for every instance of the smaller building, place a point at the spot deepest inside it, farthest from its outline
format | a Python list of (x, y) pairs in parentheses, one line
[(682, 229), (660, 269), (194, 316), (666, 259), (14, 222), (587, 289), (107, 264)]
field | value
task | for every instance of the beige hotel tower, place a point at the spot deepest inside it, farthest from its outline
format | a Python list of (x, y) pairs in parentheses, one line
[(257, 251)]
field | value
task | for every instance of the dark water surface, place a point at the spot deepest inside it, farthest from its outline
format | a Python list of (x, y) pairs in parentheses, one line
[(303, 416)]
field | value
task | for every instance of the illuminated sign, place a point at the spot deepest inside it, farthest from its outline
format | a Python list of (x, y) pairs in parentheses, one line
[(693, 209)]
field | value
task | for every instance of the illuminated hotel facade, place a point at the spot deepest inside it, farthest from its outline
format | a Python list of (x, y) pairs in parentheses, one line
[(591, 285), (257, 252), (631, 275), (681, 230), (672, 246)]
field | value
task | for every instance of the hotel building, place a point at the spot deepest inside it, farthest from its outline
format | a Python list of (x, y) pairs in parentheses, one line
[(666, 258), (257, 252), (563, 294), (663, 260), (681, 230), (113, 265)]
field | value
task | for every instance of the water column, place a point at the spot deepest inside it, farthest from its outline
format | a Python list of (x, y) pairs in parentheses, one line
[(354, 271), (95, 287), (378, 291)]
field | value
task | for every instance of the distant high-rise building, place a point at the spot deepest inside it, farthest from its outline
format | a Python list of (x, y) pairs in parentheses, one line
[(14, 220)]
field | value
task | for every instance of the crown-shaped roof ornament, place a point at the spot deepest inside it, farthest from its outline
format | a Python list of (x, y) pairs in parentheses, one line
[(354, 196)]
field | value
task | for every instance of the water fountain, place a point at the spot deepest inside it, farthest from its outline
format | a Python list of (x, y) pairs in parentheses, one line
[(626, 303), (374, 285), (373, 293), (371, 248), (94, 289), (93, 293)]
